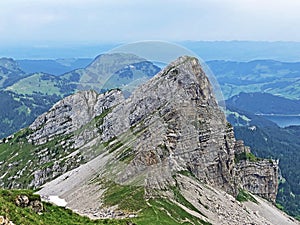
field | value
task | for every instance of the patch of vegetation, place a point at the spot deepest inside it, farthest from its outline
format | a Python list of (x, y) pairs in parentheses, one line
[(153, 211), (116, 145), (245, 156), (279, 206), (100, 119), (283, 144), (127, 197), (186, 173), (51, 215), (127, 155), (182, 200), (19, 159), (244, 196), (163, 212)]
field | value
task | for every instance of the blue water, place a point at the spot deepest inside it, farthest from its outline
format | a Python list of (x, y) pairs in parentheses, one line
[(284, 120)]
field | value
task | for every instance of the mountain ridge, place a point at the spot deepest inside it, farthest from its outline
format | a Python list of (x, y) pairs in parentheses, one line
[(167, 139)]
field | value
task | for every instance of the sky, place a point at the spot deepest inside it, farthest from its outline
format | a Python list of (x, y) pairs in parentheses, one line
[(106, 21)]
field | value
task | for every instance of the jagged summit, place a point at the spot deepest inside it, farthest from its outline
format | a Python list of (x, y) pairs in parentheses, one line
[(168, 139)]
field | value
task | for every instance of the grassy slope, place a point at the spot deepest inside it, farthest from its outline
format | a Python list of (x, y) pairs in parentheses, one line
[(36, 83), (158, 210), (155, 211), (52, 214)]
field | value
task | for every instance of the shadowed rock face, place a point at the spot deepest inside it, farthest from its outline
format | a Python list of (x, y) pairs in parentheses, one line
[(168, 125)]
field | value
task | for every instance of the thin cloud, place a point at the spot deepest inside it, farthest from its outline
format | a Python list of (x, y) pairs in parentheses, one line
[(109, 21)]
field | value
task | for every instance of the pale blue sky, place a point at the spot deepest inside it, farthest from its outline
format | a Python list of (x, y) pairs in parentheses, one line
[(97, 21)]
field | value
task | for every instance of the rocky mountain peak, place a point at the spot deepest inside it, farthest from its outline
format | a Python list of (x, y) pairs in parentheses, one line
[(171, 123), (168, 137)]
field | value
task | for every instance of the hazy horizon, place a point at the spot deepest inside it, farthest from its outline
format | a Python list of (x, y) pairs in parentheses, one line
[(68, 22), (207, 50), (75, 28)]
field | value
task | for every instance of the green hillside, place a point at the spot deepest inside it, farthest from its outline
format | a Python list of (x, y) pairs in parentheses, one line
[(274, 77), (50, 215), (41, 83)]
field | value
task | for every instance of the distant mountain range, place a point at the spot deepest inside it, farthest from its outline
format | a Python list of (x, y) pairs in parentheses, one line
[(207, 50), (52, 66), (114, 71), (265, 76), (10, 72), (264, 103)]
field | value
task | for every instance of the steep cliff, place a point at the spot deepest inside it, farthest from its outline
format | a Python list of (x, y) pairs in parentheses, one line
[(167, 140)]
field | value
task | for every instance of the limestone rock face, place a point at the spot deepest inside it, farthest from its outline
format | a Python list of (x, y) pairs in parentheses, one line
[(175, 124), (71, 113), (258, 176), (171, 124)]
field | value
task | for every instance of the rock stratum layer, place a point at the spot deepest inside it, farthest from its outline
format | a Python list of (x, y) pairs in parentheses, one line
[(170, 135)]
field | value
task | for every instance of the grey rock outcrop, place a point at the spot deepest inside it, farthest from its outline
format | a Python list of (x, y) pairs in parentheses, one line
[(71, 113), (23, 201), (170, 124), (169, 133), (5, 221), (174, 123), (259, 176)]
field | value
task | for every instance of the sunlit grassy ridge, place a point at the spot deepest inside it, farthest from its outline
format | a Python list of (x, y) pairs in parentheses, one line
[(154, 211), (51, 215)]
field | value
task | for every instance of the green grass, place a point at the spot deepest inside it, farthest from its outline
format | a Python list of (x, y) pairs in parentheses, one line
[(246, 156), (163, 212), (51, 215), (127, 155), (153, 211), (128, 198), (244, 196), (19, 155), (279, 206), (36, 83)]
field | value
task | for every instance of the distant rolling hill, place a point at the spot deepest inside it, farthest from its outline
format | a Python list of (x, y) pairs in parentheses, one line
[(269, 76), (264, 103), (10, 72), (117, 70), (53, 66)]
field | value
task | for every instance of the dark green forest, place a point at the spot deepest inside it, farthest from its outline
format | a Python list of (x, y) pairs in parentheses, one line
[(283, 144), (18, 111)]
